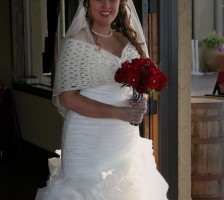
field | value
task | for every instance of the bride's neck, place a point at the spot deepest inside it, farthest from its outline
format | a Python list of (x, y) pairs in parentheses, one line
[(102, 30)]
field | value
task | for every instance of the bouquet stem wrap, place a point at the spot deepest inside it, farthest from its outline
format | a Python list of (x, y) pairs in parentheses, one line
[(136, 97)]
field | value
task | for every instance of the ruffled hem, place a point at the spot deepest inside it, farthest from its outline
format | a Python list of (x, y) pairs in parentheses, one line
[(138, 180)]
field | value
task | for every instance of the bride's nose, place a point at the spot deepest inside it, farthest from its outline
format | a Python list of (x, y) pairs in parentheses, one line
[(106, 4)]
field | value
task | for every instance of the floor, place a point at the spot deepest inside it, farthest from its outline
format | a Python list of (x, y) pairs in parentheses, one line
[(203, 84), (20, 177), (19, 181)]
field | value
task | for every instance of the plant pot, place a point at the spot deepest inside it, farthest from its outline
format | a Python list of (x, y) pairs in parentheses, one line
[(210, 59)]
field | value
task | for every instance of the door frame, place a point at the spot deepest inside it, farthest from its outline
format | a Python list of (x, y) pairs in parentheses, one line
[(168, 104)]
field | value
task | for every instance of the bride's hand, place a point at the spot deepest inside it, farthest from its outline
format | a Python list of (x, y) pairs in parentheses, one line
[(135, 113), (140, 104)]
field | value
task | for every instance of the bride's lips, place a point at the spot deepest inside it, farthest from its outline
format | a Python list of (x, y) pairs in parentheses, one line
[(105, 13)]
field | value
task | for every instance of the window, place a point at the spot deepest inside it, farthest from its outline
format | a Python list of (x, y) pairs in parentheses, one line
[(37, 29)]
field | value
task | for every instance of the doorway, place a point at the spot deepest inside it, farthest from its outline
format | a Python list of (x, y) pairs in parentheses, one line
[(160, 24)]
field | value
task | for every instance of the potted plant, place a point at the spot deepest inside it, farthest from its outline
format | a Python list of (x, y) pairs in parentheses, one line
[(212, 44)]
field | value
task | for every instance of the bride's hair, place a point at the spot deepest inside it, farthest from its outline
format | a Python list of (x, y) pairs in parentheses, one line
[(120, 24)]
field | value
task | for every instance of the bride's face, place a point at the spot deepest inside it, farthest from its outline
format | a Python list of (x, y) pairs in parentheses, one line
[(103, 12)]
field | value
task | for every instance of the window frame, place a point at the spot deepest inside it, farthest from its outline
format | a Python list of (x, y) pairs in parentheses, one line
[(21, 43), (21, 49)]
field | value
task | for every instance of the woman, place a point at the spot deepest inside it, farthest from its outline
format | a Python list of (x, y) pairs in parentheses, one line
[(103, 156)]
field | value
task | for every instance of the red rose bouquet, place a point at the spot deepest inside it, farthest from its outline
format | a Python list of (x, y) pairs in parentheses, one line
[(142, 75)]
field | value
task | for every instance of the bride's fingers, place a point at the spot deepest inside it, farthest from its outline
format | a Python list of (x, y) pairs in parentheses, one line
[(142, 104), (142, 108), (137, 115), (136, 121), (143, 111)]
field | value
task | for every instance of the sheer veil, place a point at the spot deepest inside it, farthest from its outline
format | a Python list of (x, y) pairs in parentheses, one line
[(79, 23)]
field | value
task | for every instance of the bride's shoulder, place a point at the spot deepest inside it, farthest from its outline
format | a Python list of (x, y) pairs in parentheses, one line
[(81, 35)]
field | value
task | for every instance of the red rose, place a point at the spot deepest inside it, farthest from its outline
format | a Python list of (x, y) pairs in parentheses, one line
[(125, 66), (119, 76), (142, 74), (137, 61), (133, 79), (163, 81), (154, 82), (153, 70), (142, 87)]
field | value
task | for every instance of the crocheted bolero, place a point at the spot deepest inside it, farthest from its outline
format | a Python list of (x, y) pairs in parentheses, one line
[(84, 65)]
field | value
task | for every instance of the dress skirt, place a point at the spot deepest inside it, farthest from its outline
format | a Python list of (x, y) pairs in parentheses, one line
[(104, 159)]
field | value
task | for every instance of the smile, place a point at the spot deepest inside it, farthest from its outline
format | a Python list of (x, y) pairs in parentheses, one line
[(105, 13)]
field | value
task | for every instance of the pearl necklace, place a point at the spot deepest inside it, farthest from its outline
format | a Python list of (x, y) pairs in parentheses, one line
[(102, 35)]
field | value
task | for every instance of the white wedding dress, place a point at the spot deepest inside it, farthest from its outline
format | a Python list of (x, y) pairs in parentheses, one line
[(105, 159)]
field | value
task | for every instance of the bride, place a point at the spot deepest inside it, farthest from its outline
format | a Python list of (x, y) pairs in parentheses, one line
[(103, 156)]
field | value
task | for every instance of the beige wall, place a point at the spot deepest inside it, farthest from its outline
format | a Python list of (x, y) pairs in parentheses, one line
[(184, 98), (39, 120)]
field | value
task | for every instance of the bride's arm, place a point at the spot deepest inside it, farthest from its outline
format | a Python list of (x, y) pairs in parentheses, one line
[(88, 107)]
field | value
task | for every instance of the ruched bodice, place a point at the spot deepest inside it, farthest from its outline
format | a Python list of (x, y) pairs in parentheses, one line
[(89, 140)]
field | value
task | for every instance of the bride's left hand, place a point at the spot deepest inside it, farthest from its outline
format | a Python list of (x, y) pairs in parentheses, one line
[(140, 104)]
